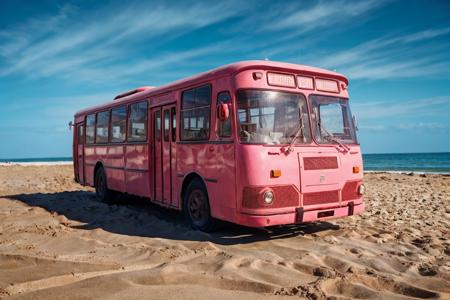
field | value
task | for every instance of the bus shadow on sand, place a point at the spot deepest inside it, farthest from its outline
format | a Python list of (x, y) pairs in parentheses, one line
[(138, 217)]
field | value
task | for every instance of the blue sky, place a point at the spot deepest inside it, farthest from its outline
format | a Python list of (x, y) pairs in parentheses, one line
[(57, 57)]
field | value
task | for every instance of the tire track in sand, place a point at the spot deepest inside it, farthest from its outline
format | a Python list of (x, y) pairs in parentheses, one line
[(61, 280)]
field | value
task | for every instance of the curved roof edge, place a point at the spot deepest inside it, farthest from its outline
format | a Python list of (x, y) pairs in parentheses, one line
[(220, 71)]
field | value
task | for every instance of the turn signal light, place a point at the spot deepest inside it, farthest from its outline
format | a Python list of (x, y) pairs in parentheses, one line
[(275, 173), (356, 169)]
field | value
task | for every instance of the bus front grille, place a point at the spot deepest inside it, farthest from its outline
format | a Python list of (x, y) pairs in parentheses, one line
[(320, 163), (320, 198)]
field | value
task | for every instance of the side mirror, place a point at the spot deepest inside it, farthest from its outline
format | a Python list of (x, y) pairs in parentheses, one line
[(355, 122), (71, 125), (223, 111)]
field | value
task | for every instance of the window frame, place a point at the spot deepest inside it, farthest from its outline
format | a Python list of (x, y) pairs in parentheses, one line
[(181, 123), (129, 122), (313, 142), (110, 140), (166, 137), (80, 141), (158, 131), (94, 125), (313, 126), (173, 123), (230, 118), (108, 126)]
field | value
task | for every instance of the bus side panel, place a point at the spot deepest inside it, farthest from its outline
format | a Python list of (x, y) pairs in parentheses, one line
[(114, 165), (75, 153), (136, 170), (221, 189), (198, 158), (90, 159)]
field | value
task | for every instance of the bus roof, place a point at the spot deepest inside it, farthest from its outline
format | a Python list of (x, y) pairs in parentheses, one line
[(225, 70)]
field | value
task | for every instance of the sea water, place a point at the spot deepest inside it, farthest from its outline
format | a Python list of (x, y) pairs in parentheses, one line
[(391, 162)]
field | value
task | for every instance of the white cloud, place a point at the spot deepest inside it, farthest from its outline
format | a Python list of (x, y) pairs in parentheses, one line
[(403, 56), (65, 46), (435, 106), (420, 126), (323, 14)]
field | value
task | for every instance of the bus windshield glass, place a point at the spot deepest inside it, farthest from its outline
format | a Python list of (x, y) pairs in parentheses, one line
[(332, 120), (271, 117)]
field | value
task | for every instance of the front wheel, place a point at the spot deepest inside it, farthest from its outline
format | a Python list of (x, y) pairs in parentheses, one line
[(101, 187), (196, 207)]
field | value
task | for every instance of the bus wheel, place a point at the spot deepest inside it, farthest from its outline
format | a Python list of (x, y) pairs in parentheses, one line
[(101, 187), (196, 207)]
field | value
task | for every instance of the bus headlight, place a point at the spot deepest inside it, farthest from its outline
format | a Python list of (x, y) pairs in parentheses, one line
[(268, 197), (361, 189)]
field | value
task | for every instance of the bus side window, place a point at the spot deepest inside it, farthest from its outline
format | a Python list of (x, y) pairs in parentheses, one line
[(158, 125), (102, 128), (118, 124), (174, 124), (90, 129), (166, 125), (224, 127), (80, 131), (137, 122), (195, 114)]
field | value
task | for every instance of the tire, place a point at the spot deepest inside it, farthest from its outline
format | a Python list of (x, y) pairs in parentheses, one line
[(101, 187), (196, 207)]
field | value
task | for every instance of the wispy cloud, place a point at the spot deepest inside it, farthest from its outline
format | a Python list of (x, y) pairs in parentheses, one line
[(402, 56), (434, 106), (322, 14), (415, 127), (66, 45)]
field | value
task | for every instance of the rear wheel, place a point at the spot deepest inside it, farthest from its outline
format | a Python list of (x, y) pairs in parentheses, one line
[(101, 187), (196, 207)]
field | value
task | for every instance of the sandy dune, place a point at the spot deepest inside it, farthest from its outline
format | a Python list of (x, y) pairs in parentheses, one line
[(58, 241)]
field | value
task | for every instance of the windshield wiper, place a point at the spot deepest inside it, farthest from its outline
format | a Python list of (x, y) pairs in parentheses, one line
[(300, 129), (331, 137)]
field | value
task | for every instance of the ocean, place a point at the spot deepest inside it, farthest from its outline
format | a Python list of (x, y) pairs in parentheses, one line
[(408, 162), (393, 162)]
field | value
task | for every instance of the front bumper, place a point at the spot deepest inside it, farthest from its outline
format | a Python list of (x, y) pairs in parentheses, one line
[(299, 216)]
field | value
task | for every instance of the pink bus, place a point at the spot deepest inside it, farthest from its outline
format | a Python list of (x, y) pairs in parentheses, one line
[(256, 143)]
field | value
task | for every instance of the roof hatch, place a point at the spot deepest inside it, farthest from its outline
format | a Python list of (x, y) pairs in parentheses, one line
[(135, 91)]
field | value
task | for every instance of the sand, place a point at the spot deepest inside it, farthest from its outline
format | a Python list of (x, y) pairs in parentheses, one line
[(58, 241)]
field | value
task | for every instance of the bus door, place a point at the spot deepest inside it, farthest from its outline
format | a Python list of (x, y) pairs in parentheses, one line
[(163, 154), (80, 151)]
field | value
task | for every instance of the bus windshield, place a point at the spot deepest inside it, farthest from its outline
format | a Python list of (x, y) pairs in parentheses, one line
[(271, 117), (332, 120)]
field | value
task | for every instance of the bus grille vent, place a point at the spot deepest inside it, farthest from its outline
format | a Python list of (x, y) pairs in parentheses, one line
[(320, 198), (320, 163), (350, 191)]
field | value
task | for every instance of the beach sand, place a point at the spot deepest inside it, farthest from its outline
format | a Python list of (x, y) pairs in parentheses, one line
[(58, 241)]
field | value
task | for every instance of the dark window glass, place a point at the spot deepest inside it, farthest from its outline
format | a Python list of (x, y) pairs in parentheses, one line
[(203, 96), (189, 99), (195, 120), (224, 126), (90, 129), (118, 124), (137, 123), (166, 125), (80, 131), (174, 124), (102, 127), (158, 125)]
